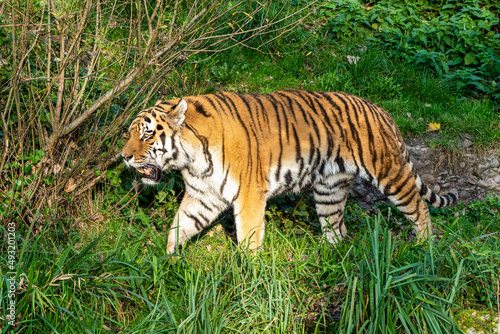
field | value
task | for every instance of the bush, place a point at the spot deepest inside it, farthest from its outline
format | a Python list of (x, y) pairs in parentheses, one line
[(457, 39)]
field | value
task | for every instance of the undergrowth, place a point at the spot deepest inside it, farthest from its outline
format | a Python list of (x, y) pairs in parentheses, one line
[(374, 282)]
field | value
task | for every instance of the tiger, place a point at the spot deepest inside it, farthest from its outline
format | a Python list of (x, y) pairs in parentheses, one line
[(236, 150)]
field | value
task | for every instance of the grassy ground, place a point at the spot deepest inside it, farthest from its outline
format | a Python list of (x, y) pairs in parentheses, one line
[(375, 281), (105, 270)]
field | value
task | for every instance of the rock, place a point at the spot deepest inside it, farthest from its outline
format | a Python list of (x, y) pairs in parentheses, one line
[(468, 143), (482, 167), (428, 179), (487, 184), (497, 179), (361, 190), (489, 173), (471, 331), (472, 180), (436, 189), (494, 163)]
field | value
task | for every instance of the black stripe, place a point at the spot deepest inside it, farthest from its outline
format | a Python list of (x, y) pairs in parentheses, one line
[(276, 103), (207, 221), (410, 213), (340, 162), (197, 223), (201, 109), (423, 189), (204, 141), (289, 104), (253, 115), (236, 112), (263, 111), (311, 149), (193, 187), (339, 183), (336, 212), (335, 202), (298, 151), (316, 130), (433, 198), (334, 105), (225, 179), (238, 192), (400, 187), (162, 138), (205, 205), (409, 200), (322, 193), (371, 140), (299, 105)]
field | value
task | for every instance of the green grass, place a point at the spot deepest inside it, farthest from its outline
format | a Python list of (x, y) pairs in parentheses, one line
[(374, 282), (412, 95)]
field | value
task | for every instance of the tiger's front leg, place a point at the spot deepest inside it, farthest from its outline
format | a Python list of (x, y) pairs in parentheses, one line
[(192, 217), (249, 212)]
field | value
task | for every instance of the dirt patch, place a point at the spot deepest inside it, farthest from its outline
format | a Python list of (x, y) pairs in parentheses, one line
[(471, 173)]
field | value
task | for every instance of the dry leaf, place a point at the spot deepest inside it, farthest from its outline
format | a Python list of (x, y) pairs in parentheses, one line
[(56, 168), (70, 185), (97, 218), (433, 126), (427, 105)]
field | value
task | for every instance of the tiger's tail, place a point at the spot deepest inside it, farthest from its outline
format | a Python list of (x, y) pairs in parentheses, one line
[(435, 200)]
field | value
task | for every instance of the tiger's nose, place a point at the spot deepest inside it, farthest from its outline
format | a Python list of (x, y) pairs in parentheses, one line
[(127, 157)]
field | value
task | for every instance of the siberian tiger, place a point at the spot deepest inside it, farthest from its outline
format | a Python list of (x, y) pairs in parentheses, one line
[(240, 150)]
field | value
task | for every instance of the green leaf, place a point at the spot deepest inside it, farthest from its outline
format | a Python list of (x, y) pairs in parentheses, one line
[(445, 67), (469, 59)]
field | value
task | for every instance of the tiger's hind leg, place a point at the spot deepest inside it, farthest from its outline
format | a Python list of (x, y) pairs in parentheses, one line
[(401, 189), (330, 196)]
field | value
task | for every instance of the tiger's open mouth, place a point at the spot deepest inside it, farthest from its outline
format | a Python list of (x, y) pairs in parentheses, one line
[(150, 172)]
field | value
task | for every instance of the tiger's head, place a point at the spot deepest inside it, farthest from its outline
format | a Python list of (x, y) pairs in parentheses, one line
[(154, 141)]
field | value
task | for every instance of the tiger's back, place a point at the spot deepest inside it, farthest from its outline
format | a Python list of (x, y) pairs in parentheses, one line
[(240, 150)]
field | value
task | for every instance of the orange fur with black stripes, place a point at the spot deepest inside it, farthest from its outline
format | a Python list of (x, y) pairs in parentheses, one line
[(240, 150)]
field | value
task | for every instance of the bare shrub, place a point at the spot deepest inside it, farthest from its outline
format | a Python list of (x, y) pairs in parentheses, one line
[(76, 70)]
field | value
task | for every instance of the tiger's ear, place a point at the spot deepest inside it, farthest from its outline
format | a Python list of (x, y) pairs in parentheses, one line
[(178, 113)]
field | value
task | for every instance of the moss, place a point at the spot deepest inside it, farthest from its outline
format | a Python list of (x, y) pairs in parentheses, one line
[(480, 321)]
